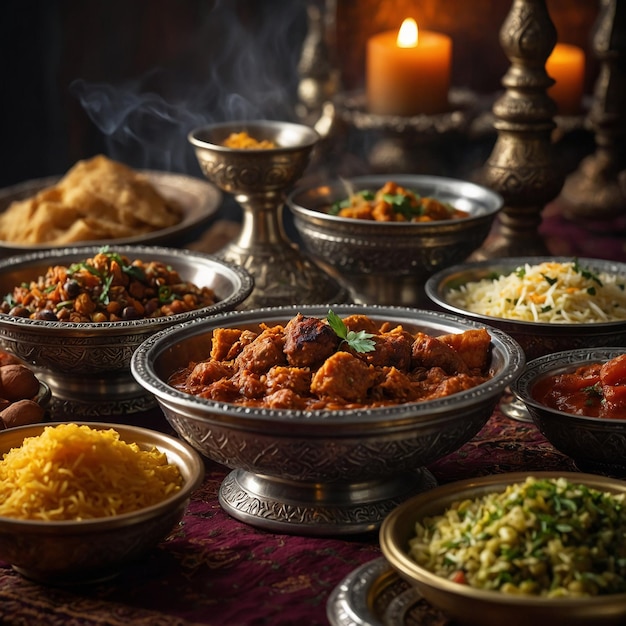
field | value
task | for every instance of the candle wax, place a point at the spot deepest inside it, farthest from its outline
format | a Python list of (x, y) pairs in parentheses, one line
[(566, 65), (408, 81)]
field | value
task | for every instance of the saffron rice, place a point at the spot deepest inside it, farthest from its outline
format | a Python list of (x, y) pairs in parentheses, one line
[(74, 472)]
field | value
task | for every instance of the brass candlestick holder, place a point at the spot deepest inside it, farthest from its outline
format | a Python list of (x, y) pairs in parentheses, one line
[(259, 179), (522, 166), (595, 191)]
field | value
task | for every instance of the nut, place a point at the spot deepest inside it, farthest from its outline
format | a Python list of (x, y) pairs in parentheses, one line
[(21, 413), (17, 382)]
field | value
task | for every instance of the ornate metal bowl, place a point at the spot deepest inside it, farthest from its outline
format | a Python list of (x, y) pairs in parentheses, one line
[(259, 179), (320, 472), (88, 551), (389, 262), (596, 444), (87, 365), (469, 606)]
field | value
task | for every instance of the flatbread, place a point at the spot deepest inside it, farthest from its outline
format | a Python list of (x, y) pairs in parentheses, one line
[(97, 199)]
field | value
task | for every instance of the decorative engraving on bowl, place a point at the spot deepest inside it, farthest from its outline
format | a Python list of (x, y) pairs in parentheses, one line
[(397, 256), (236, 173), (98, 407), (328, 459), (305, 514)]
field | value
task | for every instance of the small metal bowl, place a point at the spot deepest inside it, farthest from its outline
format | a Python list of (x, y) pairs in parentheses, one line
[(87, 365), (596, 444), (388, 262), (469, 606), (320, 472), (89, 551)]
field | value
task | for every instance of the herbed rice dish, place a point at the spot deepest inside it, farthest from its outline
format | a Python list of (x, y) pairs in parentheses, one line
[(550, 292), (543, 537), (74, 472)]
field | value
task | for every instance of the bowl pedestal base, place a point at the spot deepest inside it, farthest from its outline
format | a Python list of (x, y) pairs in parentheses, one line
[(317, 509)]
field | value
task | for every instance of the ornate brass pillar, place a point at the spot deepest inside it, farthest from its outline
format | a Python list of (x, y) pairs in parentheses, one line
[(594, 191), (522, 166)]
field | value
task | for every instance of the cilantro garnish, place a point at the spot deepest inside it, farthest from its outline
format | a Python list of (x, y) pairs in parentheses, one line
[(360, 341), (585, 273)]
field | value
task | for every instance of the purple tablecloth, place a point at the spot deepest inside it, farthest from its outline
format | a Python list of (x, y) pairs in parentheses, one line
[(215, 570)]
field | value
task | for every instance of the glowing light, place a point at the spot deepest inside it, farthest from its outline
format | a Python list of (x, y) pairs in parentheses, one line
[(408, 34)]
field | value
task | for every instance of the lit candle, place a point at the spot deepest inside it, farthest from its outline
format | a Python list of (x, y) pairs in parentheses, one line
[(566, 65), (408, 72)]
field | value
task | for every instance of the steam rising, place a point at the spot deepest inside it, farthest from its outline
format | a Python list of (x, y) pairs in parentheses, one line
[(231, 70)]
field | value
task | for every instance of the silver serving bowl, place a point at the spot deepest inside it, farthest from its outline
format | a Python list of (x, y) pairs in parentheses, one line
[(198, 200), (388, 262), (92, 550), (87, 365), (320, 472), (596, 444), (469, 606)]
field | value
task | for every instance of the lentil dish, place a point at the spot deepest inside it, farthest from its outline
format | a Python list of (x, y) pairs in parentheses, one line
[(107, 287), (543, 537), (393, 203), (333, 363), (593, 390)]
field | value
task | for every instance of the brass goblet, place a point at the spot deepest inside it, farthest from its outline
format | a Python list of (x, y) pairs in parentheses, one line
[(259, 179)]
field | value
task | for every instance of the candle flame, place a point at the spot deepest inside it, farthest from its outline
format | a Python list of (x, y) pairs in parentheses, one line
[(408, 34)]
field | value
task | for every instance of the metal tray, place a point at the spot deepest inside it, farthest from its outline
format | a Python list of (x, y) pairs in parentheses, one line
[(375, 595)]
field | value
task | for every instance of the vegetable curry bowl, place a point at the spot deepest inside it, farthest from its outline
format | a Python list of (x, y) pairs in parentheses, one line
[(546, 549), (387, 234), (577, 398), (77, 314), (327, 416)]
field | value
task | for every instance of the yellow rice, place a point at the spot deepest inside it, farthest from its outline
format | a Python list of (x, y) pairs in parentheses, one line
[(550, 292), (72, 472)]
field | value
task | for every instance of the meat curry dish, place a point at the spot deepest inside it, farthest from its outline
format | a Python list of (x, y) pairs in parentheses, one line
[(354, 362)]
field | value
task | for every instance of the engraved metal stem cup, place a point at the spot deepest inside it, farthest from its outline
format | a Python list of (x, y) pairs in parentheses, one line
[(259, 179)]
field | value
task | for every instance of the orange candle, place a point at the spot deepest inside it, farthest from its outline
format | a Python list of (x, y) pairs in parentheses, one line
[(566, 65), (408, 71)]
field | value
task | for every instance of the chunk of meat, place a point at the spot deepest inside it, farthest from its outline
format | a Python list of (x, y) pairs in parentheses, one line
[(360, 322), (430, 352), (262, 354), (613, 380), (473, 346), (395, 386), (207, 372), (297, 379), (309, 341), (391, 349), (249, 384), (344, 377), (285, 399), (223, 390), (227, 343)]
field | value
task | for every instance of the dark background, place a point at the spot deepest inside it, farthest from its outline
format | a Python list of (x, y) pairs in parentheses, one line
[(130, 78)]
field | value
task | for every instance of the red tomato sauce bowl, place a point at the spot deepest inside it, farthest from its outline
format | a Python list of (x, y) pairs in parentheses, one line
[(577, 399)]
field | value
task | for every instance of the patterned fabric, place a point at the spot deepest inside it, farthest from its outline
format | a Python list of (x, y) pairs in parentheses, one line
[(214, 570)]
